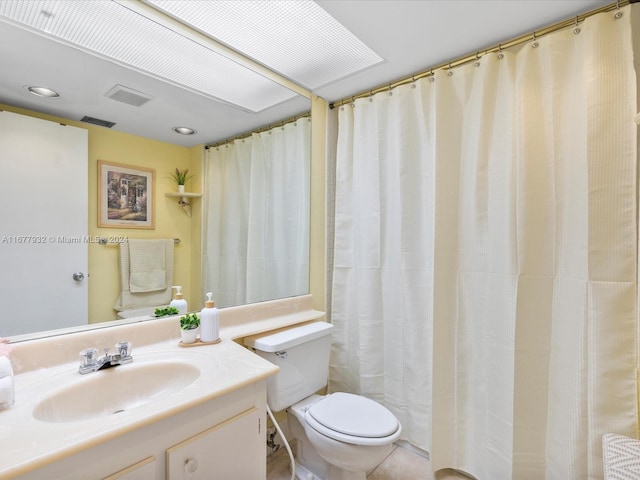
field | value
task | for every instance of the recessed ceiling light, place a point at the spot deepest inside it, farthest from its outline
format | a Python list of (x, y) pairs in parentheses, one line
[(43, 92), (184, 130)]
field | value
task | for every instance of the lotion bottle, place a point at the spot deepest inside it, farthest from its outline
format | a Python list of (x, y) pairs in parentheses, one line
[(179, 302), (209, 321)]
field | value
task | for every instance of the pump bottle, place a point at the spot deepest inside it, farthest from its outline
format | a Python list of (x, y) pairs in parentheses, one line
[(179, 302), (209, 321)]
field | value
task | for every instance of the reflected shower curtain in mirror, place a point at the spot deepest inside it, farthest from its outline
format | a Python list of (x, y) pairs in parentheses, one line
[(484, 282), (256, 216)]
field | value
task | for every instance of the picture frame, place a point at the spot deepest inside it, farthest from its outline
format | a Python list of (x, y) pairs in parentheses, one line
[(126, 196)]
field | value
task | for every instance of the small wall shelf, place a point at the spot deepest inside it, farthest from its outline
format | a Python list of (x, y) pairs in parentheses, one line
[(183, 199)]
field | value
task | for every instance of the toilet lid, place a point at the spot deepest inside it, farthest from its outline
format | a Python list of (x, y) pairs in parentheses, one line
[(354, 415)]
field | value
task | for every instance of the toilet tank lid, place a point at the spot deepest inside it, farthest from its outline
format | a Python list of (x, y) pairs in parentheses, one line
[(282, 339)]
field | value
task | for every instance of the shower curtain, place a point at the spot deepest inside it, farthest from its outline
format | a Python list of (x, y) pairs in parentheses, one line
[(256, 216), (484, 281)]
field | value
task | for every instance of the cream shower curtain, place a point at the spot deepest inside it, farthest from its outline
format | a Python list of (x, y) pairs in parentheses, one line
[(484, 282), (256, 216)]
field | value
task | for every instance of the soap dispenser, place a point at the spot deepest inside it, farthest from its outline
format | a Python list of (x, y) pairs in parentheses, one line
[(209, 321), (179, 302)]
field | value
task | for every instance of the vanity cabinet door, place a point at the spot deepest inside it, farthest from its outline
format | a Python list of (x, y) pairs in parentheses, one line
[(143, 470), (229, 451)]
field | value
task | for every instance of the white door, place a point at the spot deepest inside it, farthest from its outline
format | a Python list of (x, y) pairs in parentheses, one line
[(43, 225)]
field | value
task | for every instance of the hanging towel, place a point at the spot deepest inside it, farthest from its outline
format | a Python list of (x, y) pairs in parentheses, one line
[(130, 299), (147, 270)]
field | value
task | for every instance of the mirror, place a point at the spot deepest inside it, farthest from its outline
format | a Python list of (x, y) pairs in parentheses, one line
[(39, 60), (256, 221)]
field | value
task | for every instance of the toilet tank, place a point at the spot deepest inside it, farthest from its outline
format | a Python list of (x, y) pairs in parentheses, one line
[(302, 354)]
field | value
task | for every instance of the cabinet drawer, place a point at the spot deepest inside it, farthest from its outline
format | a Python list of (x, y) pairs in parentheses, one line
[(143, 470)]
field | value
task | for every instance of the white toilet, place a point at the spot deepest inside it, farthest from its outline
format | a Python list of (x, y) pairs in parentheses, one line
[(340, 436)]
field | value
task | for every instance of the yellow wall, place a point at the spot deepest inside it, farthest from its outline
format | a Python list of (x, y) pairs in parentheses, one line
[(195, 279), (317, 232), (170, 219)]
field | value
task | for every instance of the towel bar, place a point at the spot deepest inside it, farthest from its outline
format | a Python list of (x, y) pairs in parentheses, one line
[(106, 241)]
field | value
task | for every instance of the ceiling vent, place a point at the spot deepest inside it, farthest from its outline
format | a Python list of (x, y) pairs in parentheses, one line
[(127, 95), (97, 121)]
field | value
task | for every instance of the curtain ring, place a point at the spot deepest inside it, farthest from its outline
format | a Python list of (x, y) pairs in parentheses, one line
[(431, 77), (535, 42), (477, 63), (389, 92), (576, 30), (413, 81), (371, 95), (449, 72), (500, 54), (618, 12)]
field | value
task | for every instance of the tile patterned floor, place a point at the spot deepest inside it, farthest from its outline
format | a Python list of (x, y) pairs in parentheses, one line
[(401, 464)]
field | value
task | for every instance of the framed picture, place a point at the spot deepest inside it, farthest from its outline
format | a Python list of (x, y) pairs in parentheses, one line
[(125, 196)]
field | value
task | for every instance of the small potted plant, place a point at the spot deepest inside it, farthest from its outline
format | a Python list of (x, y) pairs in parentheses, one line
[(181, 177), (163, 312), (189, 324)]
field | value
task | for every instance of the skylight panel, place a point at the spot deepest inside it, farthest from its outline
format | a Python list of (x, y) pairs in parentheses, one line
[(298, 39), (110, 30)]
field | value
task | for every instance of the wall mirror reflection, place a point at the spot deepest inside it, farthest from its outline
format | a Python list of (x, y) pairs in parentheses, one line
[(62, 270)]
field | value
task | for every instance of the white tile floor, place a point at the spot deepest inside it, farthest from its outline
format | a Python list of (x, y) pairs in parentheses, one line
[(401, 464)]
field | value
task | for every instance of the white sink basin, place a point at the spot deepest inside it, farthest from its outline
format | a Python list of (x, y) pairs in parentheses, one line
[(115, 390)]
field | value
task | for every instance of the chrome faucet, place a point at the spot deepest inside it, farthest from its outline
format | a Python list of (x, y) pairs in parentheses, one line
[(89, 361)]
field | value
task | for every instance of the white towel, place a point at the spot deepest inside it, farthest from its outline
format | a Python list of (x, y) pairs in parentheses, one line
[(129, 300), (147, 269), (6, 369), (6, 382), (621, 457), (6, 392)]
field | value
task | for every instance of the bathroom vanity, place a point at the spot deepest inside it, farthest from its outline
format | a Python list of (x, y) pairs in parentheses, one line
[(172, 413)]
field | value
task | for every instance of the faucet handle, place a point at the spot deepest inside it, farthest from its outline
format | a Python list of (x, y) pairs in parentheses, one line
[(88, 359), (124, 348)]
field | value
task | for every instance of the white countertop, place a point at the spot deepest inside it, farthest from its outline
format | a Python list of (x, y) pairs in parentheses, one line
[(29, 443)]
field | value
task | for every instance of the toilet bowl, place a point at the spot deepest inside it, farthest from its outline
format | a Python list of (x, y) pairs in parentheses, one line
[(340, 436)]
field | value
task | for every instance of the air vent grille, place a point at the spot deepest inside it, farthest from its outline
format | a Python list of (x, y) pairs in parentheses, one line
[(97, 121), (127, 95)]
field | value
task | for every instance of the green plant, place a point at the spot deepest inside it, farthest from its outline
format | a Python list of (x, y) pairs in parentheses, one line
[(163, 312), (181, 176), (189, 321)]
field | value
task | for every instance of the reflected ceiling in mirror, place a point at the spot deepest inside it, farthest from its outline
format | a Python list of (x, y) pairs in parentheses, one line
[(83, 80)]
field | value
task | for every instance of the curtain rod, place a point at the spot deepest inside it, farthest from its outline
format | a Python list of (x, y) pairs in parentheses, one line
[(266, 128), (574, 21)]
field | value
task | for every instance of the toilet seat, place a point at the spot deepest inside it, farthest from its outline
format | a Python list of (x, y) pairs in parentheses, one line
[(353, 419)]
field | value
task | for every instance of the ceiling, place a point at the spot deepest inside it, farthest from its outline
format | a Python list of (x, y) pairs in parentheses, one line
[(410, 36)]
